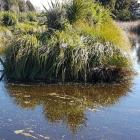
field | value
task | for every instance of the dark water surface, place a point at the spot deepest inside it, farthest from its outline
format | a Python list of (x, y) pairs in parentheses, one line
[(105, 112)]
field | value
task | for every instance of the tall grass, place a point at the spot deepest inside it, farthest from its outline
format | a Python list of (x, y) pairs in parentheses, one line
[(12, 24), (81, 43), (27, 60), (110, 31), (29, 28), (8, 18), (5, 36), (89, 18)]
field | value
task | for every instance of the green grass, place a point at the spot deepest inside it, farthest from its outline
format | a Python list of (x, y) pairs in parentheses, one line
[(26, 59), (8, 18), (107, 31), (29, 28), (78, 42), (5, 36), (12, 24)]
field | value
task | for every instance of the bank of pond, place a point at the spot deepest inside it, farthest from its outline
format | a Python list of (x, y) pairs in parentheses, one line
[(69, 42)]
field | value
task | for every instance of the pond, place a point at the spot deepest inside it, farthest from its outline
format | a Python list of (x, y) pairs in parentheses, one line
[(56, 112)]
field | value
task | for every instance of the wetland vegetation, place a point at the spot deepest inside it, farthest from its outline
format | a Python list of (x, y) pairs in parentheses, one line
[(87, 59), (75, 41)]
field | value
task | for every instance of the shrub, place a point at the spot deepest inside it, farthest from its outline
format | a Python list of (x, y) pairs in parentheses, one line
[(30, 6), (22, 6)]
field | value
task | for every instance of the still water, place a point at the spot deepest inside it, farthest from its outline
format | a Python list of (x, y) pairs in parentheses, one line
[(100, 112)]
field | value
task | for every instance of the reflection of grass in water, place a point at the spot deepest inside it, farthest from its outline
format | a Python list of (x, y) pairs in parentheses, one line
[(67, 103)]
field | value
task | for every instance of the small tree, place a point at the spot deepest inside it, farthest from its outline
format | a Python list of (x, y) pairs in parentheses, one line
[(30, 6), (22, 6)]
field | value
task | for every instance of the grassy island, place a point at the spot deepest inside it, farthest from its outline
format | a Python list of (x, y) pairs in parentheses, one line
[(75, 41)]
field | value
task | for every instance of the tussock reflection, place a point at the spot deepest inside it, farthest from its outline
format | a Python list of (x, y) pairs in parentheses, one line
[(67, 103)]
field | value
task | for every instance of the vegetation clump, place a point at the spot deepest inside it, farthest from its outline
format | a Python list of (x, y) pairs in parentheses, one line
[(8, 19), (75, 45)]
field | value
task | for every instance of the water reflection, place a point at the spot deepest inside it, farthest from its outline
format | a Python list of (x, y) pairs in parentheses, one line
[(137, 48), (68, 104), (135, 42)]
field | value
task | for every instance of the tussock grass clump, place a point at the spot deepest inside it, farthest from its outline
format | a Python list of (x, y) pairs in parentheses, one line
[(12, 24), (28, 28), (81, 43), (27, 17), (61, 62), (8, 18), (111, 32), (5, 36), (18, 54), (87, 18)]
